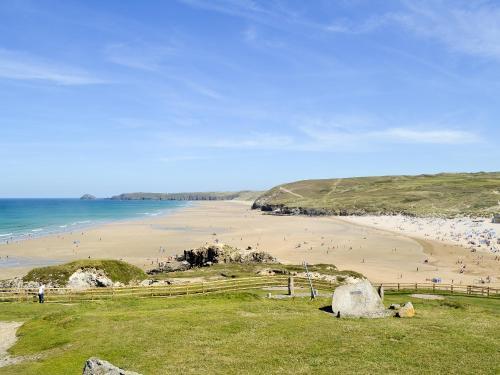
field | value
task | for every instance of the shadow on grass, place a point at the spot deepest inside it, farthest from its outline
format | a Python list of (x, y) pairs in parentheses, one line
[(327, 309)]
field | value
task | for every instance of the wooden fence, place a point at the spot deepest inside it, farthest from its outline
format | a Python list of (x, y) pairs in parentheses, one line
[(221, 286), (472, 290)]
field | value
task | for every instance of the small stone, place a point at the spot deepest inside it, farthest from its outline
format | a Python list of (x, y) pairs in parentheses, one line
[(395, 306), (406, 311), (96, 366)]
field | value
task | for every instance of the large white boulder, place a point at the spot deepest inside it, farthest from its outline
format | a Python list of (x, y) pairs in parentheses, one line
[(358, 300), (96, 366), (89, 278)]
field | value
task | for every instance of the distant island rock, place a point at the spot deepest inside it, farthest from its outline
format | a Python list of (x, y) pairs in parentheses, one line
[(87, 197)]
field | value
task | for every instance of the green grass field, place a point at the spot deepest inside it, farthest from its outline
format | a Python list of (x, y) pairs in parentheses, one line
[(243, 333), (446, 194)]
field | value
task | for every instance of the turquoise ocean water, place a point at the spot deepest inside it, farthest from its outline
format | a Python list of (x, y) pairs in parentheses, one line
[(28, 218)]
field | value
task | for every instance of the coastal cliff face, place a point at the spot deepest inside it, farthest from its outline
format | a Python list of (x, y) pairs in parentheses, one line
[(194, 196), (441, 195)]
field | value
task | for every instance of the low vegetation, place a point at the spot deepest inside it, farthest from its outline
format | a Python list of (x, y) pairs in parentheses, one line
[(243, 333), (446, 194), (239, 270), (116, 270)]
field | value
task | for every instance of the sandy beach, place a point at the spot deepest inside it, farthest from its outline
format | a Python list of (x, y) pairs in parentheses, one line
[(382, 254)]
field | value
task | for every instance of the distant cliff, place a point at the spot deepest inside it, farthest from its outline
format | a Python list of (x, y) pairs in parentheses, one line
[(194, 196)]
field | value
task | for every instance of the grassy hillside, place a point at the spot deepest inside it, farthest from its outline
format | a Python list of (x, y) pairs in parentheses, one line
[(116, 270), (194, 196), (445, 194), (244, 333)]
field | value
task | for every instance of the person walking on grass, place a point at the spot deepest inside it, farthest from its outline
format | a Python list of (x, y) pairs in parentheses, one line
[(41, 293)]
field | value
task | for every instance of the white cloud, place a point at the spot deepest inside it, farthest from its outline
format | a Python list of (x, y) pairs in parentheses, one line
[(22, 66)]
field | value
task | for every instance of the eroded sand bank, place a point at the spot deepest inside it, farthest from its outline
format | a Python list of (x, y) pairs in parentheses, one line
[(382, 255)]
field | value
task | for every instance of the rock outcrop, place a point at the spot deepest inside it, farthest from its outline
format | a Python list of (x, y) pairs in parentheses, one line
[(220, 253), (89, 278), (358, 300), (96, 366)]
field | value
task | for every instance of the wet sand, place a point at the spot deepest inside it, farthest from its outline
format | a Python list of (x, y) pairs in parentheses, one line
[(381, 255)]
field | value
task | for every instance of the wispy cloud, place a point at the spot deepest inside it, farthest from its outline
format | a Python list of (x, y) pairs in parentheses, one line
[(178, 158), (139, 55), (342, 132), (22, 66), (470, 27), (439, 136), (348, 133), (158, 59), (274, 14)]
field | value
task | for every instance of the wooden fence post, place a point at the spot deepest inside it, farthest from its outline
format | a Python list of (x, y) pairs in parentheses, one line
[(398, 287)]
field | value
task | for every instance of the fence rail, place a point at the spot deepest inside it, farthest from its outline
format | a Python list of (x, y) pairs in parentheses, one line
[(475, 290), (220, 286)]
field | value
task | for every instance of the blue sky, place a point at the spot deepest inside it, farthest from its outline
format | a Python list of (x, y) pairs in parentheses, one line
[(109, 96)]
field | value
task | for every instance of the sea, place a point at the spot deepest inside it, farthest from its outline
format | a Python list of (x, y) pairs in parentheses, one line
[(22, 219)]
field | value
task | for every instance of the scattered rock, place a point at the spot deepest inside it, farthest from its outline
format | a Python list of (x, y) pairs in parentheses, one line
[(266, 272), (89, 278), (96, 366), (395, 306), (359, 300), (171, 266), (18, 283), (406, 311), (15, 283)]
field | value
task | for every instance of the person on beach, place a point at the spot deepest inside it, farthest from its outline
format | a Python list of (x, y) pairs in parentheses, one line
[(41, 294)]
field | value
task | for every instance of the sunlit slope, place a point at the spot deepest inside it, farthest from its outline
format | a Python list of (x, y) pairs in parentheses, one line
[(445, 194)]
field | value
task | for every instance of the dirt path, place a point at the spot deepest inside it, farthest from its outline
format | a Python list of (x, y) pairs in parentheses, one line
[(7, 339), (291, 192), (334, 188)]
